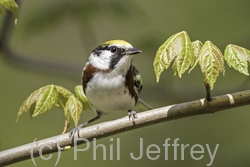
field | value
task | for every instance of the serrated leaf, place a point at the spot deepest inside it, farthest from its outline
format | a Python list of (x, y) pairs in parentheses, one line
[(196, 45), (196, 48), (30, 100), (80, 94), (74, 107), (63, 95), (237, 57), (177, 47), (211, 62), (82, 97), (186, 57), (12, 6), (46, 100), (63, 91)]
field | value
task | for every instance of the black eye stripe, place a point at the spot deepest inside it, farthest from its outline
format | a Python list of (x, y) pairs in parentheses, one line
[(99, 49), (113, 49), (116, 57)]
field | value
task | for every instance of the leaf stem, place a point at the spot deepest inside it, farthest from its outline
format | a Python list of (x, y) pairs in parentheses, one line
[(66, 126), (208, 93)]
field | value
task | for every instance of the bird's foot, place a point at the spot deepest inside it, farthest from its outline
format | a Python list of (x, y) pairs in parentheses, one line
[(133, 116), (76, 130)]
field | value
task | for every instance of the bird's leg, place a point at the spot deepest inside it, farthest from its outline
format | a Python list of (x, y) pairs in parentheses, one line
[(76, 129), (132, 115)]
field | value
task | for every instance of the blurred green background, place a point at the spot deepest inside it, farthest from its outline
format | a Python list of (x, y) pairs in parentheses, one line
[(65, 32)]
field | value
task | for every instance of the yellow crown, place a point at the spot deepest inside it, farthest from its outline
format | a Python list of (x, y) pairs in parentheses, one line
[(118, 41)]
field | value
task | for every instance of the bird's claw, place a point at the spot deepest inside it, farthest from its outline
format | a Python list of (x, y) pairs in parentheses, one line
[(132, 115), (75, 130)]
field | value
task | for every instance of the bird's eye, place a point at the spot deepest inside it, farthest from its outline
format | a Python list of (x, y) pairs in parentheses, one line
[(113, 49)]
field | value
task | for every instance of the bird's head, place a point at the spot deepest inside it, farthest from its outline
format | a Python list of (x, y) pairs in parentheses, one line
[(114, 54)]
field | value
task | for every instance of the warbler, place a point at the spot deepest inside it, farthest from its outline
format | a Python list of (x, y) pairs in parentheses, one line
[(110, 81)]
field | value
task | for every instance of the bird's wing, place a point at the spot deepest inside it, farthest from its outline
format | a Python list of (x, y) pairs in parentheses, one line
[(137, 79)]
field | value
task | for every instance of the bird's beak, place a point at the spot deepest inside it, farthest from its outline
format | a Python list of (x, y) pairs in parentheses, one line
[(132, 51)]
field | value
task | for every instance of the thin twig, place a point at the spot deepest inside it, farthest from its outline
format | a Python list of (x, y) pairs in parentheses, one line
[(145, 104), (172, 112), (208, 91)]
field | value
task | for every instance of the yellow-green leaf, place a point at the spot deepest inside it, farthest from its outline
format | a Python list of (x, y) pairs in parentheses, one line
[(30, 100), (63, 91), (12, 6), (196, 48), (46, 100), (186, 57), (237, 57), (211, 62), (74, 107), (63, 95), (82, 97), (196, 45), (178, 47)]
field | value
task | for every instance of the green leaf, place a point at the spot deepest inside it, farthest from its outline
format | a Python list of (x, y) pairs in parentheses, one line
[(196, 45), (63, 91), (46, 100), (63, 95), (82, 97), (237, 57), (178, 47), (196, 48), (186, 57), (30, 100), (12, 6), (74, 107), (211, 62)]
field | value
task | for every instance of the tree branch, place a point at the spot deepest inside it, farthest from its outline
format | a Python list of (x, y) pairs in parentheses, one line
[(109, 128)]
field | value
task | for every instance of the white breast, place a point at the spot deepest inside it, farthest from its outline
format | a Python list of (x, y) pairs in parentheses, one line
[(107, 93)]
